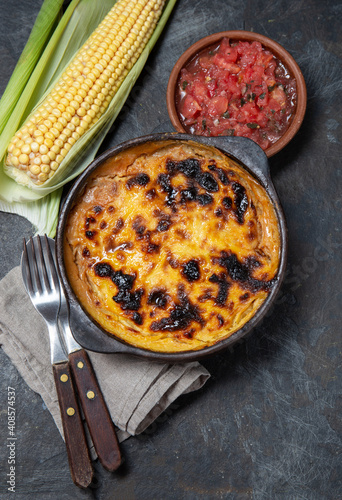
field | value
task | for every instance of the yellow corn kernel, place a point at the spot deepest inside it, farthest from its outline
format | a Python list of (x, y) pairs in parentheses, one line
[(84, 90)]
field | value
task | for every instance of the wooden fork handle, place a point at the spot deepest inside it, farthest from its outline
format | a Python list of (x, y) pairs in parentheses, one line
[(76, 444), (95, 410)]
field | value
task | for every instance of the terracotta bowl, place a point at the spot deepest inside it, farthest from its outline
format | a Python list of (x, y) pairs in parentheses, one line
[(249, 36)]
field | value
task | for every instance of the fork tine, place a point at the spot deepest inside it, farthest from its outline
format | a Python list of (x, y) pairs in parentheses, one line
[(50, 267), (40, 265), (28, 277), (33, 267)]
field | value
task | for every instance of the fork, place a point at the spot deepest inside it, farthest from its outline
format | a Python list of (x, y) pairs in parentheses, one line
[(42, 284), (96, 413)]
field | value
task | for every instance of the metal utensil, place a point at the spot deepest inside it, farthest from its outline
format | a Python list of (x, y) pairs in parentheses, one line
[(100, 425), (42, 284)]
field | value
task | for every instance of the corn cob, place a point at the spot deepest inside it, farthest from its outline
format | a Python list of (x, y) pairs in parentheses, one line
[(83, 92)]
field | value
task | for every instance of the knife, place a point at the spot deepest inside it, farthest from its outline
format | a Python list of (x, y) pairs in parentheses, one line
[(35, 276), (97, 416)]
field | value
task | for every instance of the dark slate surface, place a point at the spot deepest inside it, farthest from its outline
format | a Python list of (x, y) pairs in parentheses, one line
[(268, 424)]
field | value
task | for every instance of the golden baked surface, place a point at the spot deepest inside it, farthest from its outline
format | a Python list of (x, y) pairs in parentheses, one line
[(172, 246)]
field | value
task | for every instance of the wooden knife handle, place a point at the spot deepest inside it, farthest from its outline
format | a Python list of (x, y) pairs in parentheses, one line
[(95, 410), (76, 444)]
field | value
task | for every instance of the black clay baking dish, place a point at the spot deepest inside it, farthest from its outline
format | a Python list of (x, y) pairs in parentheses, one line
[(87, 331)]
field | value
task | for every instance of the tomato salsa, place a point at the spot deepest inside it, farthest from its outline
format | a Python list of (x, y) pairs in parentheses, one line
[(236, 88)]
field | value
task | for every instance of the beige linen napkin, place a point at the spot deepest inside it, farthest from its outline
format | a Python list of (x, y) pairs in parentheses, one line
[(136, 391)]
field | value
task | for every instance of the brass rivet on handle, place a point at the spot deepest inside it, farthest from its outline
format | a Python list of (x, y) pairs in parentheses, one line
[(70, 411), (90, 395), (80, 364), (64, 377)]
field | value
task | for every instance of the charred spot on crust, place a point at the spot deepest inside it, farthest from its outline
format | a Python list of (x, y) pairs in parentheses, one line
[(110, 209), (244, 297), (240, 201), (98, 209), (90, 234), (130, 301), (151, 247), (138, 225), (173, 262), (236, 270), (157, 212), (151, 194), (253, 262), (227, 202), (138, 180), (189, 194), (191, 168), (163, 225), (123, 281), (191, 270), (208, 182), (221, 174), (137, 318), (103, 224), (89, 220), (118, 225), (181, 316), (218, 212), (157, 298), (103, 270), (223, 285), (207, 295), (85, 252), (189, 334), (205, 199), (144, 235), (220, 320), (242, 272), (164, 181)]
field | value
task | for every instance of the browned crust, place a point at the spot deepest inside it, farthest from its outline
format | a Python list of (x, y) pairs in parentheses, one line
[(172, 246)]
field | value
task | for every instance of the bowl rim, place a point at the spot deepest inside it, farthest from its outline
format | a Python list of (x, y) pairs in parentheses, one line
[(112, 343), (250, 36)]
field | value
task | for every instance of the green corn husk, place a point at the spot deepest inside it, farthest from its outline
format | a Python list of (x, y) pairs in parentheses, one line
[(40, 205)]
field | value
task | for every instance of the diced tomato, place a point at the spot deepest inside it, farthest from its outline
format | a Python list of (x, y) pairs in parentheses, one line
[(185, 76), (190, 107), (262, 99), (247, 113), (230, 53), (205, 62), (199, 91), (257, 74), (231, 84), (236, 89), (217, 106), (266, 58), (261, 119), (274, 105), (221, 61), (211, 87), (269, 71), (279, 95)]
